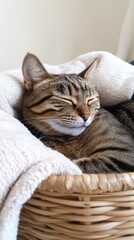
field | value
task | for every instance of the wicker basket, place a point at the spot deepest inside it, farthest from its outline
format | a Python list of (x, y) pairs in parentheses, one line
[(80, 207)]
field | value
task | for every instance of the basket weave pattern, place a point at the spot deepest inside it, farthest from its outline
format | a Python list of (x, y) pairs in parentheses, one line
[(80, 207)]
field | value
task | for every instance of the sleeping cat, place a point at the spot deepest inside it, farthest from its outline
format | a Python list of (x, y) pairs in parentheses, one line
[(64, 111)]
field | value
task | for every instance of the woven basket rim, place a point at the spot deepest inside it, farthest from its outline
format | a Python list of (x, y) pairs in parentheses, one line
[(88, 183)]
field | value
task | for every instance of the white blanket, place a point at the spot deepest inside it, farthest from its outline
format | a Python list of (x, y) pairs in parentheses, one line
[(24, 160)]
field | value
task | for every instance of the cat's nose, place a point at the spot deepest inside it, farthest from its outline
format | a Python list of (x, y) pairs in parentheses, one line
[(85, 116), (83, 112)]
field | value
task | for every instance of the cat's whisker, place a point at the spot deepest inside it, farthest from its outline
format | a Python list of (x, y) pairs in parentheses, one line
[(39, 118), (43, 135), (37, 131)]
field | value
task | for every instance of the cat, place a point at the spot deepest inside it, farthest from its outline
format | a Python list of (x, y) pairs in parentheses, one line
[(64, 111)]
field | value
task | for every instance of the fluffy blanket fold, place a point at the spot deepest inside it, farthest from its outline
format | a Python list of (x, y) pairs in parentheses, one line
[(24, 160)]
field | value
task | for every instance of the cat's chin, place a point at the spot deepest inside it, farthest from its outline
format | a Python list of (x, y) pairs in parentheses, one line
[(72, 131)]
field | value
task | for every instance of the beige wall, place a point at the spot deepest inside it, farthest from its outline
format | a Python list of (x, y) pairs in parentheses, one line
[(58, 30)]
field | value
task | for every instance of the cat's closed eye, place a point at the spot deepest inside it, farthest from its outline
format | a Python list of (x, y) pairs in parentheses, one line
[(90, 100), (68, 101)]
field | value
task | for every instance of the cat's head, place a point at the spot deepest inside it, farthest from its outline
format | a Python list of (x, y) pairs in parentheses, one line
[(63, 104)]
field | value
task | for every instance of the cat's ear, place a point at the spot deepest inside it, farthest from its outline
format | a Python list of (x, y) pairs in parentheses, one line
[(82, 74), (33, 71)]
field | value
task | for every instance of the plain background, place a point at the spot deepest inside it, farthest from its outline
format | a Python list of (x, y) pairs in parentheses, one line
[(58, 30)]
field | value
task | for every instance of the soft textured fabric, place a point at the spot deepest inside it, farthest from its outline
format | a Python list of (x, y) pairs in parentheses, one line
[(113, 77), (24, 163), (24, 160)]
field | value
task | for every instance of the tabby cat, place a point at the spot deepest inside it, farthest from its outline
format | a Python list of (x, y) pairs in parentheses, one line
[(64, 110)]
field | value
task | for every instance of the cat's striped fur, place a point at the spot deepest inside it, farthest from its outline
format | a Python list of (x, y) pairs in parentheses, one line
[(64, 111)]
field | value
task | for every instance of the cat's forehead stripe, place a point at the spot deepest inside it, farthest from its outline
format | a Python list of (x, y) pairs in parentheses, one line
[(69, 85), (61, 84)]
